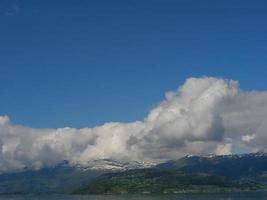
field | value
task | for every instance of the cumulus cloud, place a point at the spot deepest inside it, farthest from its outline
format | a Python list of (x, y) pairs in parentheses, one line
[(205, 115), (248, 138), (224, 149)]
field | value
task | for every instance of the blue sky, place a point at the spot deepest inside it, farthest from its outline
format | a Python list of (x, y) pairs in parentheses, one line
[(82, 63)]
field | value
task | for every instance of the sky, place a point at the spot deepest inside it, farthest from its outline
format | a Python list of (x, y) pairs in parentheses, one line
[(130, 80), (82, 63)]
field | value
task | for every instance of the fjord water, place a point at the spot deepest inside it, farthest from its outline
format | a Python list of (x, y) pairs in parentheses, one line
[(228, 196)]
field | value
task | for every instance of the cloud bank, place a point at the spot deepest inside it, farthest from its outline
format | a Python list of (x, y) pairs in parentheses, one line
[(205, 115)]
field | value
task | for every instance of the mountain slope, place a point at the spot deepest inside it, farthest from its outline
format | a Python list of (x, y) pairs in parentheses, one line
[(63, 178), (234, 166), (165, 181), (46, 180), (113, 165), (188, 174)]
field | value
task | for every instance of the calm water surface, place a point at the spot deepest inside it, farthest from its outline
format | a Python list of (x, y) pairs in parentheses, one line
[(235, 196)]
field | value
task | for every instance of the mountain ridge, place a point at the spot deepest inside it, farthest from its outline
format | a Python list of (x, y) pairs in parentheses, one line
[(239, 171), (189, 174)]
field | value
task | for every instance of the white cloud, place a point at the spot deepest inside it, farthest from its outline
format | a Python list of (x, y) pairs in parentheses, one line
[(4, 120), (248, 138), (224, 149), (205, 115)]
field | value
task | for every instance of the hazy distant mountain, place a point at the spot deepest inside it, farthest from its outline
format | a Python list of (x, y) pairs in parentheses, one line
[(59, 179)]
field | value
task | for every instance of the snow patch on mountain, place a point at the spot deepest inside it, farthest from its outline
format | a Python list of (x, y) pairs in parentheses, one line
[(112, 165)]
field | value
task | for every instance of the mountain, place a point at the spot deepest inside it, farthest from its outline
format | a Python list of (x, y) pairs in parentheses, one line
[(253, 165), (157, 181), (113, 165), (58, 179), (62, 178), (188, 175)]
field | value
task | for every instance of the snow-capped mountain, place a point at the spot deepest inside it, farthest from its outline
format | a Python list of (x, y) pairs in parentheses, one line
[(233, 165), (62, 178), (66, 176), (226, 173), (112, 165), (246, 155), (107, 164)]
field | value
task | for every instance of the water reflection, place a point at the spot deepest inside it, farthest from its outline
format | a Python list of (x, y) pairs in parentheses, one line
[(235, 196)]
